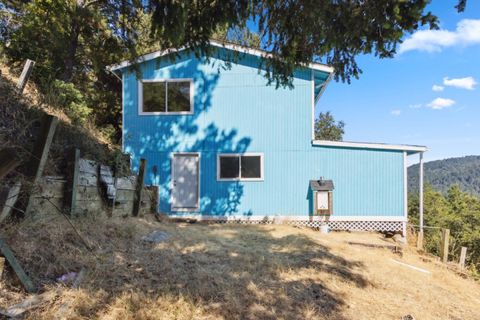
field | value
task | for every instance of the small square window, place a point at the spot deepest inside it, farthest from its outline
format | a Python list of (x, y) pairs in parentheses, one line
[(229, 167), (251, 167), (178, 96), (154, 97)]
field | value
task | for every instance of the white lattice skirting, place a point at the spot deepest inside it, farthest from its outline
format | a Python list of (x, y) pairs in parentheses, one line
[(376, 224), (356, 225)]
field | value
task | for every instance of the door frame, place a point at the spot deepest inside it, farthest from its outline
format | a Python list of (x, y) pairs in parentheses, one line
[(172, 158)]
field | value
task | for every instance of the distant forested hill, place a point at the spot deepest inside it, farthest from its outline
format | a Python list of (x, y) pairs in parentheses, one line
[(441, 174)]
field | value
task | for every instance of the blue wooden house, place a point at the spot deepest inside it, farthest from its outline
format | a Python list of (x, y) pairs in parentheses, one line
[(223, 144)]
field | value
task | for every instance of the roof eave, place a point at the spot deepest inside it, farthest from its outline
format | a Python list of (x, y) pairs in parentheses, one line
[(367, 145), (230, 46)]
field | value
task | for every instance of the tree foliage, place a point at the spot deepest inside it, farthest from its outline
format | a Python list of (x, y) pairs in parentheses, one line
[(74, 40), (297, 32), (457, 211), (441, 174), (326, 128)]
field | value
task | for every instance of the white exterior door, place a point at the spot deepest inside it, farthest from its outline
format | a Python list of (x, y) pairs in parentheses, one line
[(185, 182)]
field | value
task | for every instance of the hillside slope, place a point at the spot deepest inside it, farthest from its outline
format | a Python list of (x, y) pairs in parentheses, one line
[(441, 174), (19, 125)]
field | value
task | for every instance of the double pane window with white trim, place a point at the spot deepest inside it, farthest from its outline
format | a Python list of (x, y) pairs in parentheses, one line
[(243, 167), (166, 96)]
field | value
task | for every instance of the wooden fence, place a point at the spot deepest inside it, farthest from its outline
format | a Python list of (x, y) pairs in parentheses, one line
[(52, 193)]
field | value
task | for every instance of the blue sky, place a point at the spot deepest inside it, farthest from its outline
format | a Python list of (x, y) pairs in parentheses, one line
[(393, 101)]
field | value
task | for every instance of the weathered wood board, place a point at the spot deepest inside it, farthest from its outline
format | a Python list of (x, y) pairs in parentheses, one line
[(126, 183), (10, 200), (48, 195), (88, 166), (25, 75), (13, 262)]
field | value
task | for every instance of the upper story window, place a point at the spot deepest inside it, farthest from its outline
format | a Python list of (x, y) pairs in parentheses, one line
[(172, 96), (243, 167)]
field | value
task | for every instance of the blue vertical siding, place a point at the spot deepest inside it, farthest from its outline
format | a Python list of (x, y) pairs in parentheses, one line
[(236, 111)]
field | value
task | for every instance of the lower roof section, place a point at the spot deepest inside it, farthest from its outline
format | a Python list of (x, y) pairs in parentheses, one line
[(410, 149)]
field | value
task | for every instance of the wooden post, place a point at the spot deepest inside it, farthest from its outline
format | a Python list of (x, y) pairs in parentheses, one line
[(22, 276), (8, 161), (27, 71), (444, 245), (74, 186), (463, 256), (139, 187), (420, 240), (38, 159), (2, 266)]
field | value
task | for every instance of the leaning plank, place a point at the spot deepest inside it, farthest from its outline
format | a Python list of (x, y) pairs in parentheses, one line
[(39, 156), (10, 201), (29, 303), (22, 276), (26, 72), (38, 159)]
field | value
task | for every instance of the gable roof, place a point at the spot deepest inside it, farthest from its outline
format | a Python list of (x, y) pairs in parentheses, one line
[(321, 185), (219, 44)]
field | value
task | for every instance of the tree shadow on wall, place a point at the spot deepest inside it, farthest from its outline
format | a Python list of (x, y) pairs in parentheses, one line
[(156, 138)]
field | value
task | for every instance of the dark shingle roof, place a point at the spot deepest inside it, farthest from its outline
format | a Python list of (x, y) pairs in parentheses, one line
[(321, 185)]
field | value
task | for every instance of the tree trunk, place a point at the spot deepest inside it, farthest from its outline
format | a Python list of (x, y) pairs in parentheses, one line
[(71, 53)]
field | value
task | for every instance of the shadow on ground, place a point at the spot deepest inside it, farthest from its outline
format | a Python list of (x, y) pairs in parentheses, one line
[(200, 271)]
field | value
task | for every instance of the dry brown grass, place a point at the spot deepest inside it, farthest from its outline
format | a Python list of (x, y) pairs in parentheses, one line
[(229, 272)]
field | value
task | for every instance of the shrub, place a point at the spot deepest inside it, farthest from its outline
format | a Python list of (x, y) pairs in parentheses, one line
[(68, 98)]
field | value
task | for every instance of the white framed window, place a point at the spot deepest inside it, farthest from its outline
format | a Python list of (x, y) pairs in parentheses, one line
[(165, 96), (240, 167)]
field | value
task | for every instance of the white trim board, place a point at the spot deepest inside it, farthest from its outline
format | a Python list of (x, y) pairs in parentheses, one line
[(218, 44), (367, 145), (289, 218)]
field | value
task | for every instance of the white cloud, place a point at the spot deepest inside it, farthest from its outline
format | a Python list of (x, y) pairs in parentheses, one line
[(396, 112), (437, 88), (466, 33), (441, 103), (463, 83)]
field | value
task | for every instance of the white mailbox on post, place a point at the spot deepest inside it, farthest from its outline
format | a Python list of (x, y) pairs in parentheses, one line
[(322, 191)]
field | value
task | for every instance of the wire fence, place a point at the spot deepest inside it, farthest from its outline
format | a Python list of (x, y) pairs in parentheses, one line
[(440, 243)]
